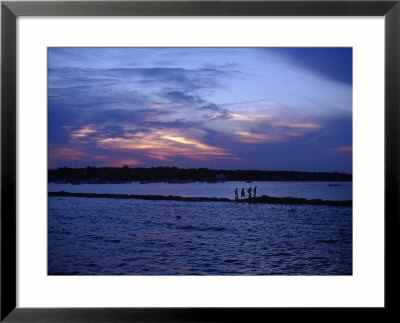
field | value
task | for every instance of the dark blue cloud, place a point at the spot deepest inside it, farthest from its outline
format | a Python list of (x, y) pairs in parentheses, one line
[(181, 97), (336, 132), (332, 63)]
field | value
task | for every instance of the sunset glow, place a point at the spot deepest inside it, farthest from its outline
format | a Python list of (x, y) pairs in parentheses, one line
[(253, 108)]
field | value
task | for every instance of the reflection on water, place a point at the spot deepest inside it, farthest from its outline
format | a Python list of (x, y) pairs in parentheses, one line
[(137, 237)]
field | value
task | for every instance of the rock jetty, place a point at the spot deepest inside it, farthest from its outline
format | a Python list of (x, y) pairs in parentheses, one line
[(262, 199)]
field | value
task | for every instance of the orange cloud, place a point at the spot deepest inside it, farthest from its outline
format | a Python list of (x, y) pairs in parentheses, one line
[(255, 138), (80, 133), (123, 161), (70, 154), (194, 143), (296, 124), (249, 117), (165, 145)]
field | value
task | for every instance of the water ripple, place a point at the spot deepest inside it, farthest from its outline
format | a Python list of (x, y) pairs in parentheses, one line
[(134, 237)]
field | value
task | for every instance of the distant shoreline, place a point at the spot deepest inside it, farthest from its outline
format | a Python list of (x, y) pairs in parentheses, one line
[(262, 199), (97, 175)]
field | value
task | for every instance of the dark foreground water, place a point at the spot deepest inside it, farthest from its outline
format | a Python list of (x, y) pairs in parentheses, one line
[(137, 237)]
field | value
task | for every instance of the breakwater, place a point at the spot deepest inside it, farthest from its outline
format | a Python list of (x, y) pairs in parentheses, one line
[(262, 199)]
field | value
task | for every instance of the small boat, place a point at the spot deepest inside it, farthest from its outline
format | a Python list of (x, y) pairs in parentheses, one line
[(333, 184)]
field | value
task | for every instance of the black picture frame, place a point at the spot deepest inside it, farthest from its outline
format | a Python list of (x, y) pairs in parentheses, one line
[(10, 10)]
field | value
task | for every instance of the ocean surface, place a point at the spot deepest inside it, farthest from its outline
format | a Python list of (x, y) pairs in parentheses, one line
[(96, 236)]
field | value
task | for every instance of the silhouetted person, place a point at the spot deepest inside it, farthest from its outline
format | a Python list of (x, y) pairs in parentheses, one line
[(242, 194), (249, 191), (255, 190), (236, 194)]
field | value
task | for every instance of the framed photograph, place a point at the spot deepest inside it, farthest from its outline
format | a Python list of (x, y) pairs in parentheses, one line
[(198, 160)]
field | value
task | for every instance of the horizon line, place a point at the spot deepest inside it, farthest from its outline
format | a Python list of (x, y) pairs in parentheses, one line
[(220, 169)]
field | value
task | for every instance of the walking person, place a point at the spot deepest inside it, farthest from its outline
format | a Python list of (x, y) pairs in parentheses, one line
[(236, 194), (249, 191), (242, 195), (255, 190)]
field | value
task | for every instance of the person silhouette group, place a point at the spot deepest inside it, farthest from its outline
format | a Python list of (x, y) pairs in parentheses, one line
[(242, 194)]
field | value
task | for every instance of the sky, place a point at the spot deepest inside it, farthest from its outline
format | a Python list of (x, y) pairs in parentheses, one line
[(220, 108)]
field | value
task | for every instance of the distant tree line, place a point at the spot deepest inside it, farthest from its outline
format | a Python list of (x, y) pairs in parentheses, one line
[(174, 174)]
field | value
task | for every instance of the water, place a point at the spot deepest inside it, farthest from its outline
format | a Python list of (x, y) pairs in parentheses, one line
[(309, 190), (93, 236)]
